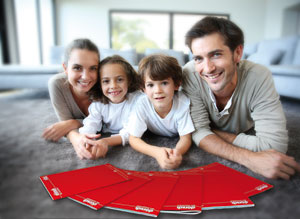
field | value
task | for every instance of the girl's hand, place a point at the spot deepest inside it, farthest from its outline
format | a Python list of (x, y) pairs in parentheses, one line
[(81, 145), (98, 148)]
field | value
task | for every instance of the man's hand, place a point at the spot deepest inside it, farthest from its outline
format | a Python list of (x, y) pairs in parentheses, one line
[(273, 164)]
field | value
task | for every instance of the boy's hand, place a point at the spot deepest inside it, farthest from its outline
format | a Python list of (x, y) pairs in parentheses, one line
[(175, 157), (168, 158), (97, 148)]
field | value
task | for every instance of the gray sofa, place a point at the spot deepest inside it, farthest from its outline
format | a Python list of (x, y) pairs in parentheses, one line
[(282, 57)]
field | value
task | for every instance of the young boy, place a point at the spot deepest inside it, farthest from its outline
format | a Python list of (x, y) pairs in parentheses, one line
[(163, 110)]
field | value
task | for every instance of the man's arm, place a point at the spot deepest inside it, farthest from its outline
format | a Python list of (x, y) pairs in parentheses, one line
[(270, 163)]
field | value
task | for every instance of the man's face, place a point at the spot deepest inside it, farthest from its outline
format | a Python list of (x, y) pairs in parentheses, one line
[(215, 63)]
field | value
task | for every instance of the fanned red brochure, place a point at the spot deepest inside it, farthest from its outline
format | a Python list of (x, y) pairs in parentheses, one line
[(97, 198), (249, 185), (61, 185), (147, 199), (186, 197), (219, 192)]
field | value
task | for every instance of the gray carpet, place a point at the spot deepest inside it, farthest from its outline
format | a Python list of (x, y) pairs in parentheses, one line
[(24, 156)]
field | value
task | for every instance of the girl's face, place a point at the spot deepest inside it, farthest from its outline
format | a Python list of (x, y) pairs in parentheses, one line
[(82, 70), (114, 82)]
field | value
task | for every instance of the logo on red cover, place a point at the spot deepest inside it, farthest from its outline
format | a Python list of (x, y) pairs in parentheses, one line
[(236, 202), (142, 208), (91, 201), (56, 191), (186, 207), (261, 187), (45, 178)]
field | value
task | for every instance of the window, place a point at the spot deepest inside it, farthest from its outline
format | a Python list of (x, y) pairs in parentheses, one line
[(148, 29)]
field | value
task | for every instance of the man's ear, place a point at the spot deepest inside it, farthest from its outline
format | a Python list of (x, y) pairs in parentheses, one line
[(238, 53)]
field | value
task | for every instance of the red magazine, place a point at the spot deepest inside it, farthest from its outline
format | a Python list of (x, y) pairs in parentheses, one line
[(249, 185), (97, 198), (219, 192), (147, 199), (186, 197), (61, 185)]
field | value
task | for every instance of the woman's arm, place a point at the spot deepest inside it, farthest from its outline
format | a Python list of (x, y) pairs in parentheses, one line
[(59, 129)]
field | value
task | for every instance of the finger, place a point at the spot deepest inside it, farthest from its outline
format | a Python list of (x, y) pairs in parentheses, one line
[(287, 169), (85, 153), (292, 163), (283, 175), (90, 142), (92, 136)]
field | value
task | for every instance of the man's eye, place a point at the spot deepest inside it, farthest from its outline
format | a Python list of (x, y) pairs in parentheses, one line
[(217, 54), (197, 59)]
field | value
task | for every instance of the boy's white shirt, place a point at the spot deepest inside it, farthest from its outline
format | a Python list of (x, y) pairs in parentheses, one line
[(177, 122), (110, 118)]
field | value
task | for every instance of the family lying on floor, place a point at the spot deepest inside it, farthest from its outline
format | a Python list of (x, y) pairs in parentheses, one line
[(229, 107)]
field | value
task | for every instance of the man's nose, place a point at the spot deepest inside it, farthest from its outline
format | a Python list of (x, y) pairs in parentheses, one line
[(208, 66)]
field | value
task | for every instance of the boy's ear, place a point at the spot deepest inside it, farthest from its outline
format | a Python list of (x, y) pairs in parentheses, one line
[(177, 87)]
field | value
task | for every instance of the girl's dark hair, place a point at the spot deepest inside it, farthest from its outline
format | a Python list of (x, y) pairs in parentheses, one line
[(232, 34), (80, 44), (96, 93), (160, 67)]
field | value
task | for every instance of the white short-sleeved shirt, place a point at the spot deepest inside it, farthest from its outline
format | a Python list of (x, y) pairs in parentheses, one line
[(177, 122), (110, 118)]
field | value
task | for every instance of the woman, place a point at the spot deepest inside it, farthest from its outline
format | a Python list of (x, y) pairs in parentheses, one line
[(68, 94)]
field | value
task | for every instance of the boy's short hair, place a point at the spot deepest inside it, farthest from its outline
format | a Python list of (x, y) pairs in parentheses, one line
[(233, 35), (96, 93), (160, 67)]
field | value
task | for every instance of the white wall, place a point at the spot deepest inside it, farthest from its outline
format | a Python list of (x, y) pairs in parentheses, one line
[(259, 19)]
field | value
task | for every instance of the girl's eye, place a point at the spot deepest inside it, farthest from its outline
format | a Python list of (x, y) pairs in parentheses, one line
[(149, 85), (120, 79), (105, 81)]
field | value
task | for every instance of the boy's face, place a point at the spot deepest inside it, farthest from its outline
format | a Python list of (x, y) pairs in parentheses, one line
[(160, 93)]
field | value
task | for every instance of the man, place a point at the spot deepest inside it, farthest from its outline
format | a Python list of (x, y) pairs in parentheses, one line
[(231, 98)]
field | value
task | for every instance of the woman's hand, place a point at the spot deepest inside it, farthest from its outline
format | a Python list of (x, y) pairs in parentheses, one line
[(57, 130)]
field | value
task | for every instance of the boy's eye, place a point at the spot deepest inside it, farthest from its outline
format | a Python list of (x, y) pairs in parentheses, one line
[(165, 83)]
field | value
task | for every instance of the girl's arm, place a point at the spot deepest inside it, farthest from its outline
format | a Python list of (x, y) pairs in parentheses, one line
[(161, 154)]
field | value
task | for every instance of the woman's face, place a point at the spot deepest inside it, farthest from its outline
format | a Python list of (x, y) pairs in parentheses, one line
[(82, 70)]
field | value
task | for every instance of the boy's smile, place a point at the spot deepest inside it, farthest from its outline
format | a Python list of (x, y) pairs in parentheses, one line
[(160, 93)]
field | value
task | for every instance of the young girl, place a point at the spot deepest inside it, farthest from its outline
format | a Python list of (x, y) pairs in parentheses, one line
[(68, 94), (114, 98), (163, 110)]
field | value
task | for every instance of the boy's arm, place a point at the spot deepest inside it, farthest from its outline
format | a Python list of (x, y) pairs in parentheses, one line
[(159, 153), (184, 143)]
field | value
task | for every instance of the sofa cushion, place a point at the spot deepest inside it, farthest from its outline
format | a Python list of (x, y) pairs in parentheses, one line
[(179, 55), (270, 57), (130, 55), (249, 49), (296, 60), (286, 44)]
